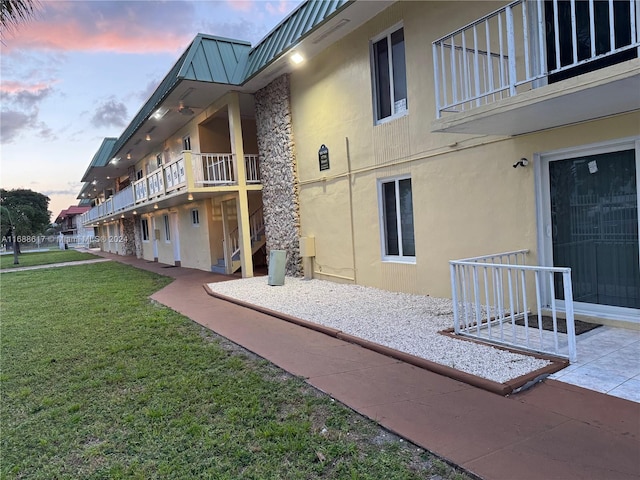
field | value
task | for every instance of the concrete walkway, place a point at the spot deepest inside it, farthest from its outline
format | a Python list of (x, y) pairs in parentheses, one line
[(53, 265), (553, 431)]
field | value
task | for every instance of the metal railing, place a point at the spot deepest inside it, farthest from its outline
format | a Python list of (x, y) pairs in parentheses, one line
[(520, 45), (252, 168), (498, 299), (211, 169)]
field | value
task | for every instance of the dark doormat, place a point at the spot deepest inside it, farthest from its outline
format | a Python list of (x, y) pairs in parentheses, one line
[(547, 324)]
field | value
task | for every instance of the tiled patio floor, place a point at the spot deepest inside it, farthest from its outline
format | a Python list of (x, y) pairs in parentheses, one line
[(608, 362)]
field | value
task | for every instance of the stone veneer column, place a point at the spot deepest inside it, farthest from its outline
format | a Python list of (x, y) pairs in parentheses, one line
[(128, 229), (279, 171)]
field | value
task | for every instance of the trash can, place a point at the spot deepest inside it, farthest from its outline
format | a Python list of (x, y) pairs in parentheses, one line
[(277, 266)]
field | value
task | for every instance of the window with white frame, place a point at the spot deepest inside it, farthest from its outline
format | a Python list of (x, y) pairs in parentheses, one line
[(389, 74), (186, 142), (396, 214), (144, 226), (167, 228), (195, 217)]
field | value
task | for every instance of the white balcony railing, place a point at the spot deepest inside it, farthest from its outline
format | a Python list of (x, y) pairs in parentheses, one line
[(211, 169), (252, 167), (525, 44), (499, 299)]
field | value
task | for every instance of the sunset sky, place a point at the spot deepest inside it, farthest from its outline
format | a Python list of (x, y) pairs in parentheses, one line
[(81, 70)]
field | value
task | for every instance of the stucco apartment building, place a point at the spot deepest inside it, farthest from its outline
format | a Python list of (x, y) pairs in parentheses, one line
[(393, 137)]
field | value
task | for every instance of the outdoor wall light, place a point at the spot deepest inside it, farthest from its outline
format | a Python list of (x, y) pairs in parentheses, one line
[(297, 58), (155, 206), (523, 162), (190, 198), (148, 138)]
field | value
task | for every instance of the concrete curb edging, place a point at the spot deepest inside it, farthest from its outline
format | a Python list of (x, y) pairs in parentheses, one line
[(502, 389)]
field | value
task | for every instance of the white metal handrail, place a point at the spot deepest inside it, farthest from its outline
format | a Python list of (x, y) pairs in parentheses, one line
[(211, 169), (497, 297), (490, 58), (256, 229), (252, 167)]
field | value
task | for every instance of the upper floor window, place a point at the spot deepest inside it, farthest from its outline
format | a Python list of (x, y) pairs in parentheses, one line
[(396, 211), (389, 74), (186, 142)]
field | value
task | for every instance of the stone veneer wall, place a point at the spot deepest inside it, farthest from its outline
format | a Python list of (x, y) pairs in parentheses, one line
[(279, 173), (128, 231)]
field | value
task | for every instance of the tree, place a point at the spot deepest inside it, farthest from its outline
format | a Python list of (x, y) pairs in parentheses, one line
[(15, 12), (28, 210)]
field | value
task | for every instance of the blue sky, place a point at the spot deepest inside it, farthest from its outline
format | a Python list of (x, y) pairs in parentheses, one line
[(81, 70)]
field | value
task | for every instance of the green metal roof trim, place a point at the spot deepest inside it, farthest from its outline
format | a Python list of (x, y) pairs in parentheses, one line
[(226, 61), (102, 156), (291, 30), (207, 59)]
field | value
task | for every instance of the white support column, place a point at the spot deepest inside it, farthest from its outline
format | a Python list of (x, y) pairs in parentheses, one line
[(242, 200)]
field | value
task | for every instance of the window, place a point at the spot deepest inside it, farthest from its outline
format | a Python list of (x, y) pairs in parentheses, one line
[(389, 75), (167, 228), (195, 217), (396, 212), (144, 226), (139, 174), (186, 142)]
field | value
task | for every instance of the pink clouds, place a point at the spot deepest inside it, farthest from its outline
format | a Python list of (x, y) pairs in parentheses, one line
[(280, 8), (119, 27), (241, 5), (14, 87)]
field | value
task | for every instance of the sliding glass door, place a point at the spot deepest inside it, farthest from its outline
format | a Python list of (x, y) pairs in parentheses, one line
[(592, 225)]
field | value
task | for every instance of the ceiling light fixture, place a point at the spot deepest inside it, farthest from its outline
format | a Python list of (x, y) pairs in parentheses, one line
[(128, 156), (184, 110), (148, 138), (155, 206), (297, 58), (190, 198)]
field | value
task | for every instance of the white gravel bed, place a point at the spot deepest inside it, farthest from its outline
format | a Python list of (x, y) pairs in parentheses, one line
[(405, 322)]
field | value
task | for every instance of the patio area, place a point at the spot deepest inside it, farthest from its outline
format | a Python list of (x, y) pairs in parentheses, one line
[(608, 362)]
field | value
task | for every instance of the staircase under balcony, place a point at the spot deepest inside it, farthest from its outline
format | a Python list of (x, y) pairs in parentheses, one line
[(232, 263)]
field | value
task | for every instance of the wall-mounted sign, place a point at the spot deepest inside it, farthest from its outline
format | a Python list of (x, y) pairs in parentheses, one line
[(323, 158)]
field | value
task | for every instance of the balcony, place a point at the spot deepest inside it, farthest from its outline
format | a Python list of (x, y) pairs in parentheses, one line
[(533, 65), (206, 170)]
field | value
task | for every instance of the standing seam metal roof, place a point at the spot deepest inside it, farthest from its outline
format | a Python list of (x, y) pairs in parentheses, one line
[(227, 61), (290, 31)]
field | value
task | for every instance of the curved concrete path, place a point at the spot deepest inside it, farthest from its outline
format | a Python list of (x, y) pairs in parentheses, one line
[(553, 431)]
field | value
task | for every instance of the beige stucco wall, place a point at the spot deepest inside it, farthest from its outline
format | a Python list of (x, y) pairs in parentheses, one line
[(468, 199)]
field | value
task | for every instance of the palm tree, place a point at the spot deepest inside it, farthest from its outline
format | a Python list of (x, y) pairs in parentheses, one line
[(15, 12)]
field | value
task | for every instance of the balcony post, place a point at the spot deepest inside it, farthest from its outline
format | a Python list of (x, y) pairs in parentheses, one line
[(237, 150), (511, 52), (188, 168)]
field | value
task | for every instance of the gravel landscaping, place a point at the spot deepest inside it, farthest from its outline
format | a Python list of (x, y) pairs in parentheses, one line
[(405, 322)]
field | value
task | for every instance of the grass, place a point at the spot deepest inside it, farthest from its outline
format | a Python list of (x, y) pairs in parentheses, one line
[(99, 382), (44, 258)]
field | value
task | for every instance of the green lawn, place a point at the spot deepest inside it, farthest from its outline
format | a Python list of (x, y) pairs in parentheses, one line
[(44, 258), (99, 382)]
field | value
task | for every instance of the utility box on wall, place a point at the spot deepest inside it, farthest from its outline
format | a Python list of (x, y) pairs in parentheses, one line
[(277, 267), (307, 246)]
